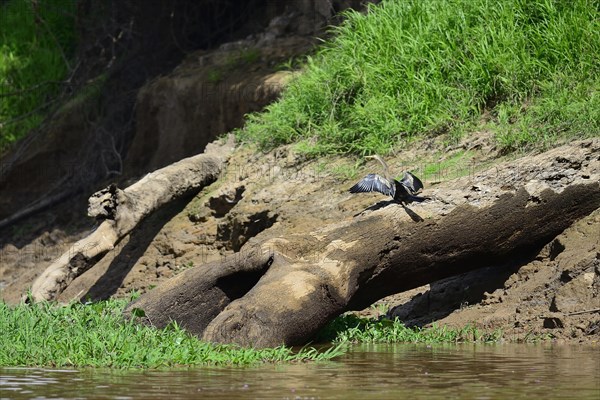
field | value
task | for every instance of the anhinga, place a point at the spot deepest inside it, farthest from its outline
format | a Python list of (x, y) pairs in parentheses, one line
[(402, 191)]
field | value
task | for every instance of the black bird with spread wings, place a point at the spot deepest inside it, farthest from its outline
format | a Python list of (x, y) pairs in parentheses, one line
[(403, 191)]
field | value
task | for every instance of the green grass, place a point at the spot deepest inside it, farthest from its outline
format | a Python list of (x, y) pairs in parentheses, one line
[(35, 48), (353, 329), (413, 68), (96, 335)]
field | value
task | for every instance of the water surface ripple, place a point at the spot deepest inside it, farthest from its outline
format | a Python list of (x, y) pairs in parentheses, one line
[(502, 371)]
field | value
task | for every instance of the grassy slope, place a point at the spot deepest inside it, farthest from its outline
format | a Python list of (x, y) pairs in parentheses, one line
[(422, 67), (33, 48)]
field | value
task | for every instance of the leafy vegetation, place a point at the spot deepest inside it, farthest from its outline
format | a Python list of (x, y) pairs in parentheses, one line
[(525, 69), (350, 328), (36, 41), (96, 335)]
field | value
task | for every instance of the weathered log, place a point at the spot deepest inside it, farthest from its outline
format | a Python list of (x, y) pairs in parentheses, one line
[(283, 290), (119, 211)]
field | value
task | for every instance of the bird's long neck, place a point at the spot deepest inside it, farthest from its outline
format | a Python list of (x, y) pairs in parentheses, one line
[(386, 172)]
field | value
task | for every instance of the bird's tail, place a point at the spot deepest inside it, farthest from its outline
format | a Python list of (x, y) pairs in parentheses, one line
[(417, 199)]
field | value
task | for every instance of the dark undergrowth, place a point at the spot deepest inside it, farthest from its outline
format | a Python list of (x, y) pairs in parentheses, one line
[(37, 39)]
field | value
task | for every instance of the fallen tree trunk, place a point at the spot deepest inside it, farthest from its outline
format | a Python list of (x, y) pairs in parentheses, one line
[(283, 290), (119, 212)]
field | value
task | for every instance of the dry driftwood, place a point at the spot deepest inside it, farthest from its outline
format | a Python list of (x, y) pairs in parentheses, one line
[(119, 212), (283, 290)]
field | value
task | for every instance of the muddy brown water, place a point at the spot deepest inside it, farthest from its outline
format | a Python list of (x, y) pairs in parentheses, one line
[(366, 371)]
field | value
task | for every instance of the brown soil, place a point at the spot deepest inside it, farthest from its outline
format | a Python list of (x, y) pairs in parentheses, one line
[(553, 294)]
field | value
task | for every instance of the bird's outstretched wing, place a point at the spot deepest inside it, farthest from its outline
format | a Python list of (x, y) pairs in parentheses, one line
[(374, 183), (412, 183)]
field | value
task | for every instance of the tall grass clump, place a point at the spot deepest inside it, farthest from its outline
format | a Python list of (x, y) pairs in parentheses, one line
[(96, 335), (424, 67), (36, 41)]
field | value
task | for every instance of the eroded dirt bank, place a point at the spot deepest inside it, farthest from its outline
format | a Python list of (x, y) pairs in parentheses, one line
[(554, 293)]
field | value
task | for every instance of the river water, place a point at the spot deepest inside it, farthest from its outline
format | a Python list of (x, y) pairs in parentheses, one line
[(501, 371)]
